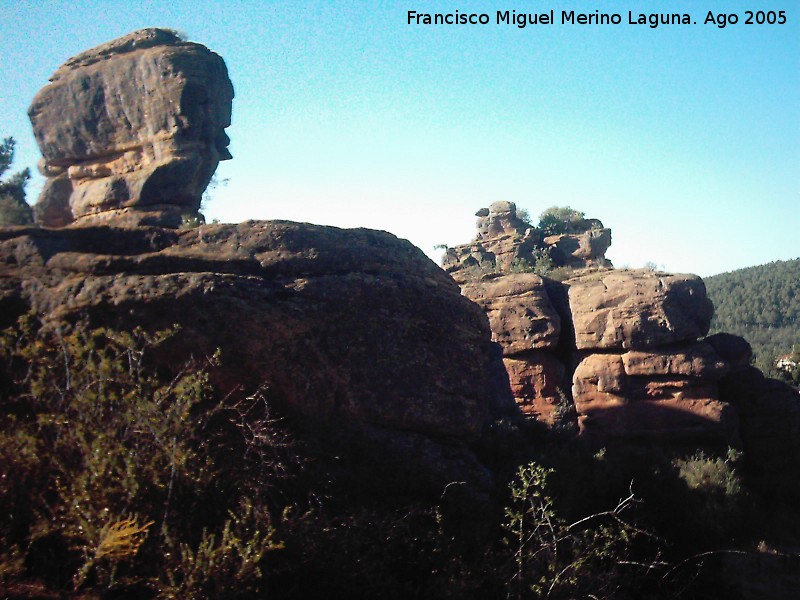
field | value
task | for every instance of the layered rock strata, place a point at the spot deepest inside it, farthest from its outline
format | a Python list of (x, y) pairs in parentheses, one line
[(131, 131), (527, 327)]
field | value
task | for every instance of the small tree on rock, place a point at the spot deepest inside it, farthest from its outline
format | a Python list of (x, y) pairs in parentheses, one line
[(13, 208), (561, 219)]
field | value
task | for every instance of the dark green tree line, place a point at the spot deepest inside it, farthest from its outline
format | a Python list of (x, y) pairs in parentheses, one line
[(761, 304)]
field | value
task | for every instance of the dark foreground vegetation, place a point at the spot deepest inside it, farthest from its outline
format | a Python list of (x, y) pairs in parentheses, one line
[(121, 480), (761, 304)]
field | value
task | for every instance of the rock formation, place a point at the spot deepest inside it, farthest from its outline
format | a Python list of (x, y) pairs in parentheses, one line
[(625, 349), (131, 131), (351, 331), (504, 242), (361, 339)]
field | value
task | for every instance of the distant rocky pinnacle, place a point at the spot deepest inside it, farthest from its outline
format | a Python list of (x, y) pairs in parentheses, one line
[(505, 242), (131, 131)]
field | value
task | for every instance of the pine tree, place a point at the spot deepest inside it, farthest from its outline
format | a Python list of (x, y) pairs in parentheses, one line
[(13, 208)]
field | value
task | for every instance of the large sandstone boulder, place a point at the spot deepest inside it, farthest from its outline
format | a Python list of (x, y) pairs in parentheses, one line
[(669, 393), (638, 309), (520, 313), (580, 249), (136, 125), (619, 346), (499, 219), (352, 331)]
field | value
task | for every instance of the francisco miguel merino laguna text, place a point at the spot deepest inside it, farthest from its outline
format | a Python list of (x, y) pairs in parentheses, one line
[(568, 17)]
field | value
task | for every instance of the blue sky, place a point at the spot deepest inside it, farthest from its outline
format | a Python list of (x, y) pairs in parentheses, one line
[(685, 140)]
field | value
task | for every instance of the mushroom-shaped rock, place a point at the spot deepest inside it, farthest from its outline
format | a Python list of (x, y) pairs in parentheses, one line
[(134, 125)]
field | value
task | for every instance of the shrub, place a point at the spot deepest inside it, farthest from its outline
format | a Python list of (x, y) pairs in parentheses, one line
[(13, 212), (561, 219), (553, 558), (541, 263), (112, 477), (716, 496)]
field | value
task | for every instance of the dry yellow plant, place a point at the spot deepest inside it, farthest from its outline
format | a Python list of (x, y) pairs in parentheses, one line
[(121, 539)]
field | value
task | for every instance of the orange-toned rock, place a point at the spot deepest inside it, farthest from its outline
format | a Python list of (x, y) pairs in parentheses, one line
[(505, 243), (698, 361), (520, 313), (638, 309), (537, 380), (581, 249), (670, 393), (499, 219)]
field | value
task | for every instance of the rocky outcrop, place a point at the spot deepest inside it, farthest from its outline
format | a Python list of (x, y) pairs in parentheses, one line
[(663, 393), (353, 332), (641, 370), (584, 248), (505, 243), (537, 381), (498, 220), (625, 348), (131, 131), (525, 325), (520, 313)]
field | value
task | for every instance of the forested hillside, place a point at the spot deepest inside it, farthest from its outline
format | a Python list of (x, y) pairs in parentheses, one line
[(762, 304)]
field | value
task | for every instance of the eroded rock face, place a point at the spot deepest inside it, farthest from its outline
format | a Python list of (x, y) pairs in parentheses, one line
[(667, 392), (136, 125), (499, 219), (537, 383), (351, 330), (583, 248)]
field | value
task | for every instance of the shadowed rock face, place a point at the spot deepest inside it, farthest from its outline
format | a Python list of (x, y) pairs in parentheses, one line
[(353, 331), (131, 131)]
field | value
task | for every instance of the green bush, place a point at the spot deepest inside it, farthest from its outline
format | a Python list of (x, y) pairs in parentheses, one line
[(561, 219), (118, 478), (592, 557), (717, 498)]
